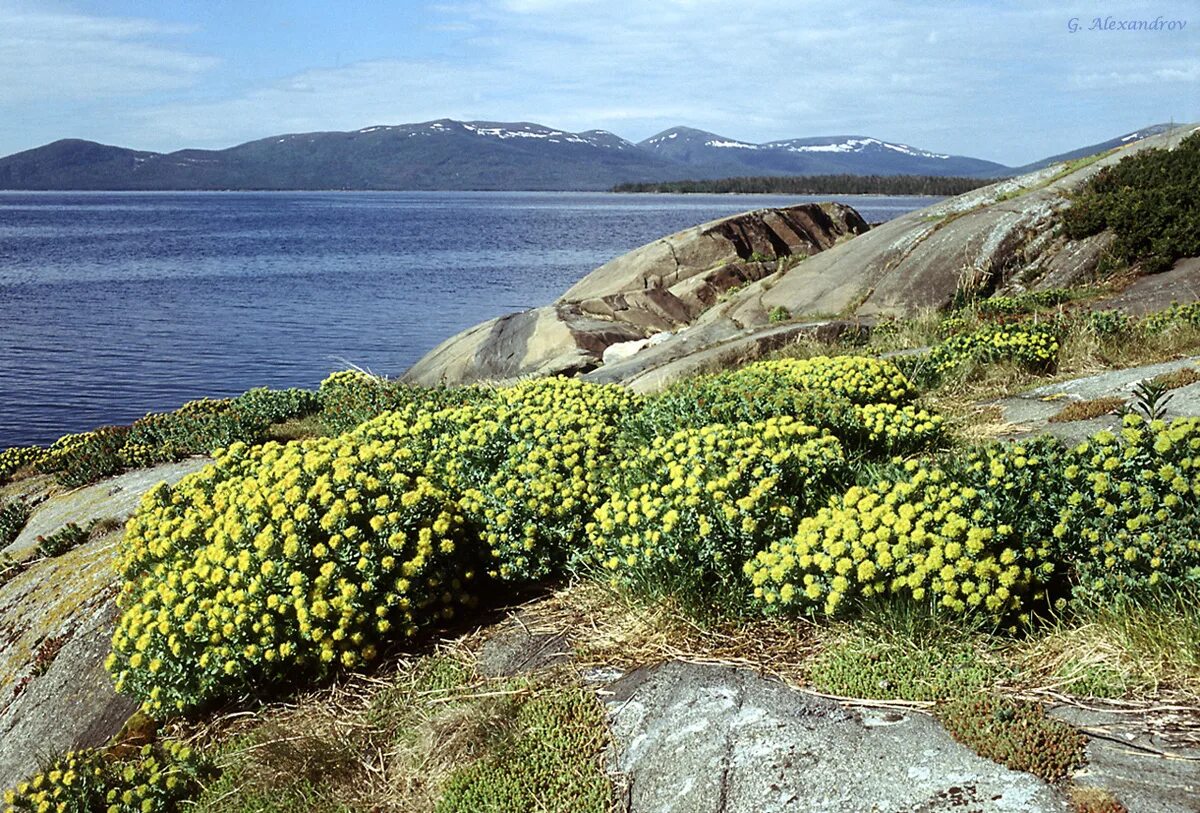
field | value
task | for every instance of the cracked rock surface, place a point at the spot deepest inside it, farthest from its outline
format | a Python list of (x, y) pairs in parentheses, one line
[(691, 738)]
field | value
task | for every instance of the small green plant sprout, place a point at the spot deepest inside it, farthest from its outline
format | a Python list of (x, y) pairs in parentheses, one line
[(1150, 399), (780, 314)]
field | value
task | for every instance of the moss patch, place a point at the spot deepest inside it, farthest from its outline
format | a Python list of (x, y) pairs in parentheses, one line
[(1016, 734), (545, 756), (1086, 410)]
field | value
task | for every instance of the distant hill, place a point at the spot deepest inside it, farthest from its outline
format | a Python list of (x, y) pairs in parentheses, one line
[(1091, 149), (829, 155), (457, 155)]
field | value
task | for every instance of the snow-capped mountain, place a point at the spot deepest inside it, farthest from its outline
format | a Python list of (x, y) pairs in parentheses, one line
[(450, 154), (852, 154)]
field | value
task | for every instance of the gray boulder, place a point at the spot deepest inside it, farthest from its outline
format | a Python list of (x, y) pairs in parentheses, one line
[(690, 738)]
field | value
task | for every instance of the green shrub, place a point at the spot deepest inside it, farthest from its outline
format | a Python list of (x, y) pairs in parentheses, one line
[(1028, 302), (64, 539), (13, 516), (197, 428), (350, 397), (1150, 201), (1109, 323), (263, 406), (83, 458), (779, 314)]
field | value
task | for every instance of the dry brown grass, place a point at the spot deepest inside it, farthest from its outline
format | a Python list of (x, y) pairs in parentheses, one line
[(610, 629), (1086, 410), (1183, 377)]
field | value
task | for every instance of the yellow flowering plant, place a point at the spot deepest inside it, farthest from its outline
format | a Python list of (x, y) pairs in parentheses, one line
[(278, 561), (16, 458), (833, 394), (1031, 344), (963, 540), (1131, 517), (685, 512), (154, 779)]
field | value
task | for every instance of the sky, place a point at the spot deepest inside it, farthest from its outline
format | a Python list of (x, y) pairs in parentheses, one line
[(1006, 81)]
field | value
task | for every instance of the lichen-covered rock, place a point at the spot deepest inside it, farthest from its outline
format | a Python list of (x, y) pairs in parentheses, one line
[(713, 739), (56, 623)]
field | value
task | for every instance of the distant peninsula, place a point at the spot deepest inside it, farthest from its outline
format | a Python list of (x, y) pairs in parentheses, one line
[(815, 185)]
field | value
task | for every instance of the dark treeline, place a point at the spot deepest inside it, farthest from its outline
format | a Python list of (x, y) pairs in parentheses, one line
[(818, 185)]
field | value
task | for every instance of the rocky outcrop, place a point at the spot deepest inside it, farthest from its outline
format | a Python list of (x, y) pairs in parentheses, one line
[(710, 289), (56, 624), (714, 739), (657, 288)]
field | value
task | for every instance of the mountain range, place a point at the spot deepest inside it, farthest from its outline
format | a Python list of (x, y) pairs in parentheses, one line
[(475, 155)]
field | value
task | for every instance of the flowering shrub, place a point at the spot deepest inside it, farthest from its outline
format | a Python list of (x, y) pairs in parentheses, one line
[(773, 390), (265, 406), (17, 458), (953, 539), (85, 457), (277, 561), (349, 397), (1023, 303), (157, 779), (860, 379), (529, 467), (890, 428), (1172, 317), (1028, 344), (1131, 518), (693, 505)]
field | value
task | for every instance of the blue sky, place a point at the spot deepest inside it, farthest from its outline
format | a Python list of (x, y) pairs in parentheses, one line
[(1007, 81)]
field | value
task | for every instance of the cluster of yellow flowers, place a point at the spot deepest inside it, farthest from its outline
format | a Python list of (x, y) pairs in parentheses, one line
[(928, 537), (529, 466), (1031, 344), (155, 780), (19, 457), (277, 559), (860, 379), (892, 427), (693, 505), (1133, 503)]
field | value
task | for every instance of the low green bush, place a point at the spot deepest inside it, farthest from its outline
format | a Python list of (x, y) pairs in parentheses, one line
[(1151, 203), (1017, 734), (13, 516), (83, 458)]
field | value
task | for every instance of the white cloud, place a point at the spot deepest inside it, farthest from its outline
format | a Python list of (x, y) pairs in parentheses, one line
[(1002, 81), (48, 56)]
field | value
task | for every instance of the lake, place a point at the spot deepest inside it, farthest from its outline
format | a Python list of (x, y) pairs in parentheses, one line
[(116, 304)]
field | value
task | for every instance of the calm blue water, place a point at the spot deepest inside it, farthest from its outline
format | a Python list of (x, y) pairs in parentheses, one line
[(115, 304)]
